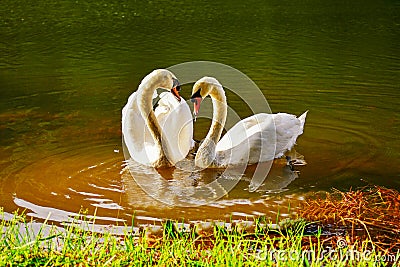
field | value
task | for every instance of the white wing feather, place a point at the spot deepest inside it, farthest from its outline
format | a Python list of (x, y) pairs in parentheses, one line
[(259, 138)]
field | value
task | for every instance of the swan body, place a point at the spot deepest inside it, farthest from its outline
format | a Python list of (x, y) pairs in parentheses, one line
[(162, 137), (259, 138), (176, 119)]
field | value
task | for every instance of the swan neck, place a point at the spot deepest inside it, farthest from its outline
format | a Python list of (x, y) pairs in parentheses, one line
[(145, 102), (219, 118), (207, 148)]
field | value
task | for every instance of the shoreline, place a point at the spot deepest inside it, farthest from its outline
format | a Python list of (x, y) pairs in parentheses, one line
[(313, 230)]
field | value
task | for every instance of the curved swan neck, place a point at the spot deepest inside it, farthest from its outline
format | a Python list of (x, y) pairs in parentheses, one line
[(145, 103), (219, 113), (206, 152)]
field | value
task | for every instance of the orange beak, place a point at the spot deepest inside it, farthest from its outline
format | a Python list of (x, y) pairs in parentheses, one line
[(176, 87), (196, 105), (175, 92)]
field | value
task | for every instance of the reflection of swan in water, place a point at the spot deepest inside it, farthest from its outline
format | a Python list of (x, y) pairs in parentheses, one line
[(179, 187), (163, 137), (259, 138), (278, 179)]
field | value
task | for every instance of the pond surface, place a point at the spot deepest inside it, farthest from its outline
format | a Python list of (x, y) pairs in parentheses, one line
[(68, 67)]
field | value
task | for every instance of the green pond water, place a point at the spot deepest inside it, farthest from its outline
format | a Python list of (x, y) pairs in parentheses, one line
[(68, 67)]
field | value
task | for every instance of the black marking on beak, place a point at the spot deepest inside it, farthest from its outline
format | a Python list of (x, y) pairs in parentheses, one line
[(176, 84), (196, 95), (196, 100)]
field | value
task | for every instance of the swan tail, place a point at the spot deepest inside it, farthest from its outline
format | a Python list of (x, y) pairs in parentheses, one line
[(297, 158), (302, 120)]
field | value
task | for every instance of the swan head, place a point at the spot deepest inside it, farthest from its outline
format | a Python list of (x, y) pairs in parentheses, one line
[(176, 88), (166, 80), (202, 88)]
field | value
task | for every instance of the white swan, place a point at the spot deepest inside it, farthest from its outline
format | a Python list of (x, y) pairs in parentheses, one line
[(160, 138), (259, 138)]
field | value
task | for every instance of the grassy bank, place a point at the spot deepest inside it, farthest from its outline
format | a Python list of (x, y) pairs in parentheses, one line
[(330, 241)]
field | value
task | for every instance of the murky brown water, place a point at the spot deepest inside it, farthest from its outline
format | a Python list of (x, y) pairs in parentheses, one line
[(67, 69)]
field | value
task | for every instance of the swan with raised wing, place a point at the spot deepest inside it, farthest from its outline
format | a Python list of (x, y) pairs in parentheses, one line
[(162, 137), (259, 138)]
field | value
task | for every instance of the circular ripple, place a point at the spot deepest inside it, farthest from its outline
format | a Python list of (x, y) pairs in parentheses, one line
[(69, 182), (336, 156), (94, 179)]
